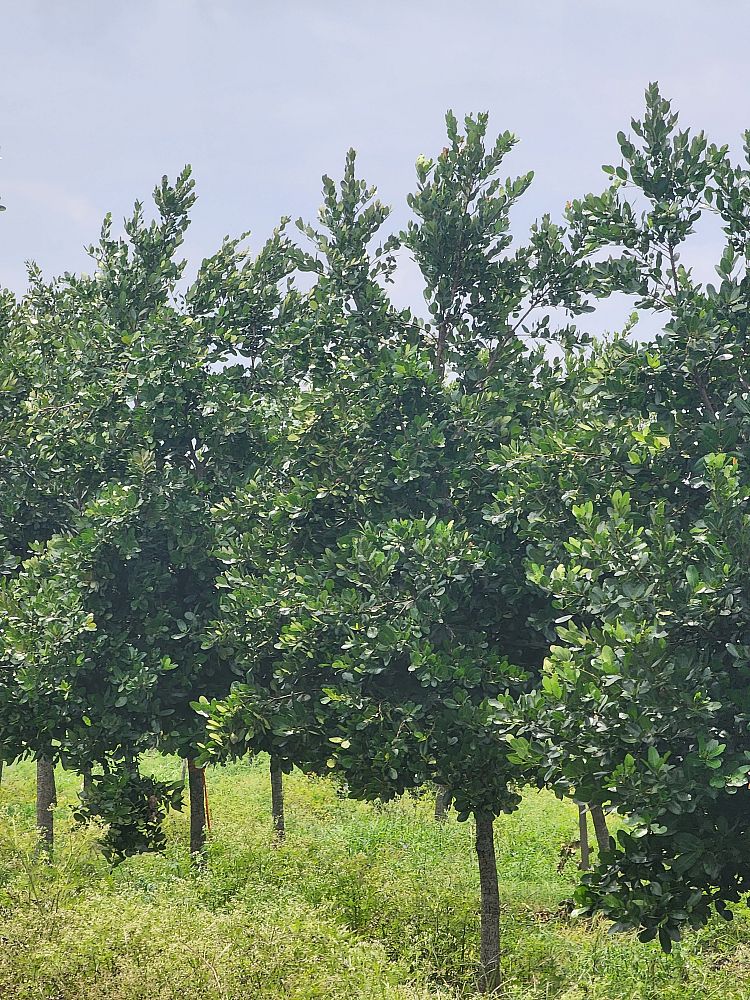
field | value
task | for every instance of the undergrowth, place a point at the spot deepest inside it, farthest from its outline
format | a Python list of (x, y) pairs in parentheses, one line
[(359, 902)]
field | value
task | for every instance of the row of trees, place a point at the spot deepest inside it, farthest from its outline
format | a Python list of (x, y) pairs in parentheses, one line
[(274, 512)]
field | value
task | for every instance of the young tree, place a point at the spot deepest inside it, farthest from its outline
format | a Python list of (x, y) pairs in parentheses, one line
[(122, 466), (384, 625), (644, 702)]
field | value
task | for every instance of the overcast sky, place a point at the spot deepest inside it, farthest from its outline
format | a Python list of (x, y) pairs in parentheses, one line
[(98, 99)]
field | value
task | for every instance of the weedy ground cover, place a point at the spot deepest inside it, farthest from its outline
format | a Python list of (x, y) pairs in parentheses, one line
[(359, 902)]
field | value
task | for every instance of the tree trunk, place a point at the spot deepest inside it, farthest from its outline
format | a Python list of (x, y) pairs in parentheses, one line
[(88, 781), (489, 950), (583, 835), (1, 771), (277, 799), (442, 797), (196, 785), (46, 798), (600, 828)]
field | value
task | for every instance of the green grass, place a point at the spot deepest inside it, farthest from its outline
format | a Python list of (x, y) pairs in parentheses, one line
[(360, 903)]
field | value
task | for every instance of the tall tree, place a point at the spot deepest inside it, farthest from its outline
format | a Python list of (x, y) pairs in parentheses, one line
[(142, 408), (384, 624), (644, 700)]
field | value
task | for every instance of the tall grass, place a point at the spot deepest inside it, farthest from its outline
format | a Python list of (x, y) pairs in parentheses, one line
[(359, 902)]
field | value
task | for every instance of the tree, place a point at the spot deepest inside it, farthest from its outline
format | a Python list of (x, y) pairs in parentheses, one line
[(66, 421), (139, 417), (644, 699), (383, 623)]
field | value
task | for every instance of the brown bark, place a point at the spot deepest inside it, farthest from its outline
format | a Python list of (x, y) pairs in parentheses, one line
[(442, 798), (277, 799), (583, 835), (600, 828), (489, 948), (196, 786), (46, 799)]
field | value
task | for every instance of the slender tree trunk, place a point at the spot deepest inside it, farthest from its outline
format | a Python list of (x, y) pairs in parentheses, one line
[(442, 796), (600, 828), (489, 950), (1, 771), (277, 799), (196, 785), (88, 781), (46, 798), (583, 835)]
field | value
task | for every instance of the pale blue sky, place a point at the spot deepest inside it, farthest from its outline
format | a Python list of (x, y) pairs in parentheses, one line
[(98, 99)]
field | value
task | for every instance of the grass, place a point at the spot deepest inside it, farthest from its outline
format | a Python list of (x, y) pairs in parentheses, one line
[(359, 903)]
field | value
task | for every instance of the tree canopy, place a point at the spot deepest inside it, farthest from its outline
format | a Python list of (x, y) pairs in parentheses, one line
[(272, 511)]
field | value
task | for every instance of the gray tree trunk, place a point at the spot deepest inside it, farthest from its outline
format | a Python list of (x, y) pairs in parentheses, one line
[(442, 797), (600, 828), (489, 948), (277, 799), (583, 835), (197, 789), (46, 799), (88, 781)]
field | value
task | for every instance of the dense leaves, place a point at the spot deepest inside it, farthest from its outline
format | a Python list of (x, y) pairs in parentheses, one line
[(133, 806), (475, 549), (642, 502), (367, 598), (126, 414)]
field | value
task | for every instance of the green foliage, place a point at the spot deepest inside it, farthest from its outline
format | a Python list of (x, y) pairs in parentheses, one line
[(373, 629), (133, 806), (125, 414), (636, 508), (402, 551), (381, 625), (479, 297)]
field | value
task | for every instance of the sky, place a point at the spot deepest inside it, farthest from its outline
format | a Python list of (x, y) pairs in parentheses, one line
[(99, 99)]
